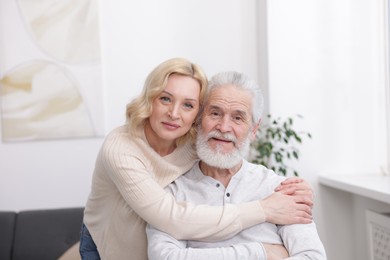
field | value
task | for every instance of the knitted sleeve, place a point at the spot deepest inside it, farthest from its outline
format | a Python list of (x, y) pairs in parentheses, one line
[(159, 208)]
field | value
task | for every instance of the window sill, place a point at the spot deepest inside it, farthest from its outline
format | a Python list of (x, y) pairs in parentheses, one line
[(375, 187)]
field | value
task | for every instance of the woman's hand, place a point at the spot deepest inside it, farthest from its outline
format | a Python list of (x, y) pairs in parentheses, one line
[(275, 252), (297, 186), (291, 203), (285, 209)]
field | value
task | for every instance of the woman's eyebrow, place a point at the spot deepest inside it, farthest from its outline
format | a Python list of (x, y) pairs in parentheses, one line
[(166, 92)]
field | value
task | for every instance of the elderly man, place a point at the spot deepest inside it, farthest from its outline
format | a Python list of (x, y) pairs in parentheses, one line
[(228, 122)]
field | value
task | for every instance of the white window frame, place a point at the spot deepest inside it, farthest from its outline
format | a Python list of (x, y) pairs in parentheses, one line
[(385, 17)]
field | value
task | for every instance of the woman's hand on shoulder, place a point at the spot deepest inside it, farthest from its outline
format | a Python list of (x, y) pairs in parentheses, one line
[(297, 187), (285, 209)]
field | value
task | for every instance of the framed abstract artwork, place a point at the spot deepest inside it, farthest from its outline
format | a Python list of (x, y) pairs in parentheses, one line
[(50, 70)]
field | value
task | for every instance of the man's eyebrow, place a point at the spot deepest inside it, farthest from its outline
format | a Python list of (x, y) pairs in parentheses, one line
[(242, 113), (214, 107)]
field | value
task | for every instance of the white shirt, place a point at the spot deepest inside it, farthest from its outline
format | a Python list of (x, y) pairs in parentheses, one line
[(251, 182)]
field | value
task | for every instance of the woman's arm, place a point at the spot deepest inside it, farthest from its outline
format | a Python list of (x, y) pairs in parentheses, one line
[(186, 221), (286, 209)]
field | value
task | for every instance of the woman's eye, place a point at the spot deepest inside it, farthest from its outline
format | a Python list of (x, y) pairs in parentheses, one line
[(165, 99), (189, 105)]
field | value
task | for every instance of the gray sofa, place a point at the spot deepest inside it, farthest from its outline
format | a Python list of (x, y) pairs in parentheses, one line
[(39, 234)]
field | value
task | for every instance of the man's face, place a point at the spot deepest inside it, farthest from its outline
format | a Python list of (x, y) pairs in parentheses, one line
[(224, 134)]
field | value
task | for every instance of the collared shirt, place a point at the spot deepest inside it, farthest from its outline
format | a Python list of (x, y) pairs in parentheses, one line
[(251, 182)]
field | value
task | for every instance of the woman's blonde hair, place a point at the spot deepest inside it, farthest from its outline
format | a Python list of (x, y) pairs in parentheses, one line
[(140, 109)]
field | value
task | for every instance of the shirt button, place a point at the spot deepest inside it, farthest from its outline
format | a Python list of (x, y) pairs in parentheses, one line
[(218, 185), (228, 194)]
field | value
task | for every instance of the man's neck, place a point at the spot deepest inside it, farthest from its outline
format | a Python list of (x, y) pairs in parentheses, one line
[(222, 175)]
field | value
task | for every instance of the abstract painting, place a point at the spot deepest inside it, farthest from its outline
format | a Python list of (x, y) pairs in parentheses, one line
[(50, 70)]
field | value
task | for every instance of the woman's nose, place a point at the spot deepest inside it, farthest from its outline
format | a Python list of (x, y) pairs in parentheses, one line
[(173, 112)]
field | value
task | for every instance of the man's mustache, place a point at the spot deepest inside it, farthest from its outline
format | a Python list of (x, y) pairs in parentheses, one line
[(219, 135)]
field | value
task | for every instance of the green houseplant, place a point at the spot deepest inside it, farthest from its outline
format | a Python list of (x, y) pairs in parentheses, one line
[(276, 143)]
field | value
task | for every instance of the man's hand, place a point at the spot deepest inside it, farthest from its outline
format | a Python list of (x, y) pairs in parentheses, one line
[(286, 209), (275, 252)]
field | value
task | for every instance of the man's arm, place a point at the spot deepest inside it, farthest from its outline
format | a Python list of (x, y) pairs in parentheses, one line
[(162, 246), (302, 241)]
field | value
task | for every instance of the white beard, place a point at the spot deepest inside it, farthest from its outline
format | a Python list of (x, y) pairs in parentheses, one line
[(216, 158)]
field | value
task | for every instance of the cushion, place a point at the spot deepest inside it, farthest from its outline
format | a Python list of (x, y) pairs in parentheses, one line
[(72, 253), (7, 225), (46, 234)]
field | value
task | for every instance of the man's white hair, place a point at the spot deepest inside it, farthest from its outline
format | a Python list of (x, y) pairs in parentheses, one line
[(241, 81)]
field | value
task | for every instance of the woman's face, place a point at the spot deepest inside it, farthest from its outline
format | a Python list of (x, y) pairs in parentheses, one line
[(174, 110)]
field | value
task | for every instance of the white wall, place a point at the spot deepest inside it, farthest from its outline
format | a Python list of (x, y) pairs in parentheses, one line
[(136, 36), (326, 62)]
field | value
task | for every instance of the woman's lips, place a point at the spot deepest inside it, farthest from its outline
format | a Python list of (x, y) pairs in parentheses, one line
[(171, 125)]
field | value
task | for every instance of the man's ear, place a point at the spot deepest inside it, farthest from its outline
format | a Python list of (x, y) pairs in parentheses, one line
[(254, 130)]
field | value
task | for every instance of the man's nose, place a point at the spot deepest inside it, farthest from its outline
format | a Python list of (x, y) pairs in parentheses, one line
[(224, 125)]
